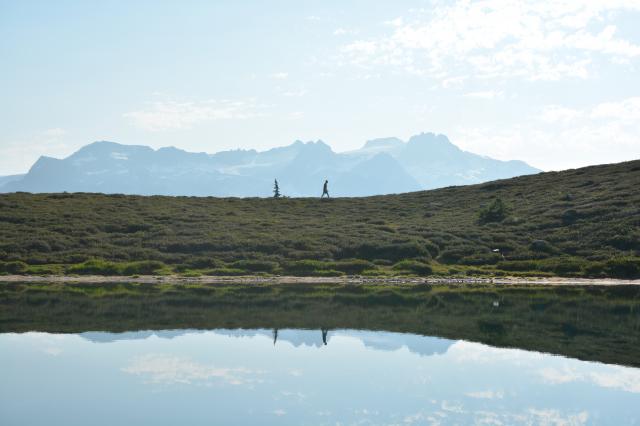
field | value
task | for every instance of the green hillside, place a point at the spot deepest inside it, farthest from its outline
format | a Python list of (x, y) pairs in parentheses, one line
[(583, 222)]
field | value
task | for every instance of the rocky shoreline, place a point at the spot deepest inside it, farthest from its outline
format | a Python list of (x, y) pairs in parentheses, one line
[(177, 279)]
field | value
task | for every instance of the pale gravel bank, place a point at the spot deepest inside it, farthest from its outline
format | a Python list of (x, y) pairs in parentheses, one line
[(177, 279)]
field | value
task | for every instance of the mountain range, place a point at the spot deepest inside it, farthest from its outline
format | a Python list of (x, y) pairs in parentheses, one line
[(381, 166)]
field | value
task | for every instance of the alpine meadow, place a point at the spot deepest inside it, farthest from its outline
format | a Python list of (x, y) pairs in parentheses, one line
[(575, 223)]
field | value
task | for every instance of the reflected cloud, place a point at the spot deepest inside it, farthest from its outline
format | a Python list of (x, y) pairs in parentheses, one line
[(558, 376), (555, 417), (297, 396), (47, 343), (615, 377), (487, 394), (295, 372), (54, 351), (530, 416), (463, 351), (167, 369)]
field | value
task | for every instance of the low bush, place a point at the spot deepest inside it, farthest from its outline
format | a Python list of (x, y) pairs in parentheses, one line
[(454, 255), (225, 272), (563, 266), (94, 267), (623, 267), (255, 265), (517, 265), (102, 267), (414, 267), (304, 267), (144, 267), (541, 246), (393, 252), (489, 258), (353, 266), (327, 273)]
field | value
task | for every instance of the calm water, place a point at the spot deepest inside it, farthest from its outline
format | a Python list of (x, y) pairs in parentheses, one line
[(228, 377)]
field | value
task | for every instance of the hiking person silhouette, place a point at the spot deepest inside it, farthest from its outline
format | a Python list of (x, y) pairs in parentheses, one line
[(325, 190)]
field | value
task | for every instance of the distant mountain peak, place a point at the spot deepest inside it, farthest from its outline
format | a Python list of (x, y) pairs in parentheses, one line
[(431, 138), (382, 166), (317, 146)]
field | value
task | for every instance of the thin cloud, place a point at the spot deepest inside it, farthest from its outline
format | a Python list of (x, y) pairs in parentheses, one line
[(531, 40), (56, 132), (171, 115), (488, 94), (561, 137), (294, 93)]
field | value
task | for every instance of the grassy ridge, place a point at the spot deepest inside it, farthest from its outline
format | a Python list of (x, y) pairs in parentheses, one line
[(591, 323), (583, 222)]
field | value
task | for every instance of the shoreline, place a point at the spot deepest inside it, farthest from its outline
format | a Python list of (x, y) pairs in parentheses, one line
[(354, 280)]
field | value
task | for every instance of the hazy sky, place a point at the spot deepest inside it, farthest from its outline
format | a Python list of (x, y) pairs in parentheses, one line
[(555, 83)]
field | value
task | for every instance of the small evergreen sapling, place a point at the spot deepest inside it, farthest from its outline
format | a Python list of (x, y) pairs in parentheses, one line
[(276, 189)]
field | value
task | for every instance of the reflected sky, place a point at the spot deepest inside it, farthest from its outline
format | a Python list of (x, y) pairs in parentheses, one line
[(292, 377)]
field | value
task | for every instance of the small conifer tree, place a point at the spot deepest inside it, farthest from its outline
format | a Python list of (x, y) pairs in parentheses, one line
[(276, 189)]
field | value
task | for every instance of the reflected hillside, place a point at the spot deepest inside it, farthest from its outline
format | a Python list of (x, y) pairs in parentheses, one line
[(590, 323)]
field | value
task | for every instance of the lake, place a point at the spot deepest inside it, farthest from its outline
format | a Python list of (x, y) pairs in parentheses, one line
[(318, 355)]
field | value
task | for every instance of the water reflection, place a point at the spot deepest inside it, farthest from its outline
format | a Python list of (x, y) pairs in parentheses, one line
[(321, 376), (422, 345), (589, 323)]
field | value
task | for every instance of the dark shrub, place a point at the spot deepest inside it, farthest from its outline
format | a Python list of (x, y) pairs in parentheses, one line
[(494, 212), (518, 265), (594, 269), (541, 246), (626, 241), (304, 267), (327, 273), (202, 262), (16, 267), (38, 245), (563, 266), (480, 259), (453, 255), (432, 248), (623, 267), (255, 265), (393, 252), (570, 216)]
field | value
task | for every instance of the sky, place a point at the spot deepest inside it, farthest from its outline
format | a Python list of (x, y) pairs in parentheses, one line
[(555, 83)]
